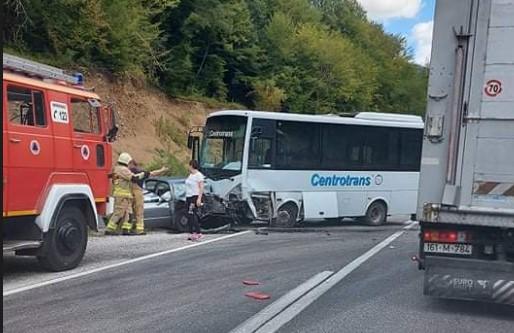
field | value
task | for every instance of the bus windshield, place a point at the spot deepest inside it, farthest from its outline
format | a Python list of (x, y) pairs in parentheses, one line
[(222, 146)]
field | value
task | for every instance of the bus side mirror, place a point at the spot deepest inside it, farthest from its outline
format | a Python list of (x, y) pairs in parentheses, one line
[(256, 132), (190, 141)]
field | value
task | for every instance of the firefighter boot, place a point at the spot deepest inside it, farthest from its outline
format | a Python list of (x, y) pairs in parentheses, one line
[(126, 227), (111, 229)]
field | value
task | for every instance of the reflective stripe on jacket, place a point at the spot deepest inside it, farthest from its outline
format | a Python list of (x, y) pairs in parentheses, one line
[(122, 182)]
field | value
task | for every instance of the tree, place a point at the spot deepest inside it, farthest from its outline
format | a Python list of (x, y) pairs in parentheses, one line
[(217, 43), (118, 35)]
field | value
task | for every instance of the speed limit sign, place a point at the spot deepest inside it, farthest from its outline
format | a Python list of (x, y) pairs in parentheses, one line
[(493, 88)]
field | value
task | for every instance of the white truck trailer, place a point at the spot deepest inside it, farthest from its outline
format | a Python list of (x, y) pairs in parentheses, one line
[(466, 194)]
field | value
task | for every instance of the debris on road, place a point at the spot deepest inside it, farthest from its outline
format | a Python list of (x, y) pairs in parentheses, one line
[(257, 295), (223, 228), (251, 282), (259, 231)]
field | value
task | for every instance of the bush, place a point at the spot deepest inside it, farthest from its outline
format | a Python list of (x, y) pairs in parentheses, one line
[(165, 158), (267, 96), (168, 132)]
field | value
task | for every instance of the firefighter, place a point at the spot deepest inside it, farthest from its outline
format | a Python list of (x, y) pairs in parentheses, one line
[(138, 224), (122, 179)]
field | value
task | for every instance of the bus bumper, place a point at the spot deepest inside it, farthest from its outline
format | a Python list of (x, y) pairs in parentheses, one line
[(469, 279)]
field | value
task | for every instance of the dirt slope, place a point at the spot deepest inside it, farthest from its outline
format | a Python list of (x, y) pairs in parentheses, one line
[(148, 119)]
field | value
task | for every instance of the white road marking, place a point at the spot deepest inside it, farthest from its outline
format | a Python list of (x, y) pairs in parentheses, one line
[(123, 263), (260, 318), (312, 295)]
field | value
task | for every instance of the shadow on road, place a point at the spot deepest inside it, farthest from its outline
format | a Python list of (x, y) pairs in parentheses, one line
[(346, 225), (21, 264), (473, 308)]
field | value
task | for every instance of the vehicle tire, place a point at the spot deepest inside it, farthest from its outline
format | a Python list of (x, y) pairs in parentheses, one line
[(180, 222), (376, 214), (65, 243), (286, 216)]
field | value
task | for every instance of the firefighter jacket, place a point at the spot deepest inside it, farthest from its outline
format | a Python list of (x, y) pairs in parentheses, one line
[(122, 179)]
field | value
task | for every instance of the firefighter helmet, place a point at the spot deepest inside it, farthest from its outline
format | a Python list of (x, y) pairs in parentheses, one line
[(124, 158)]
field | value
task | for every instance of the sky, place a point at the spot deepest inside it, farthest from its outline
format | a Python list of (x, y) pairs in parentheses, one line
[(410, 18)]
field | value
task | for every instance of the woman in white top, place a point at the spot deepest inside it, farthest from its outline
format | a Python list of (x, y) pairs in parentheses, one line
[(194, 193)]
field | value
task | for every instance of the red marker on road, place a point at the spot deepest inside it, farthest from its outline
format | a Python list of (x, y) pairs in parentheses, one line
[(257, 295)]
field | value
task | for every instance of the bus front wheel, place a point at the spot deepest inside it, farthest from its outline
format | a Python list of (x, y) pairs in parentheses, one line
[(286, 216), (376, 214)]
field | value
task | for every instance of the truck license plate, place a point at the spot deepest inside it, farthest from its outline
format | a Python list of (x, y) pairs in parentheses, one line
[(462, 249)]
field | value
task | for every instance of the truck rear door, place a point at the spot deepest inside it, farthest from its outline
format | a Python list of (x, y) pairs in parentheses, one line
[(487, 156)]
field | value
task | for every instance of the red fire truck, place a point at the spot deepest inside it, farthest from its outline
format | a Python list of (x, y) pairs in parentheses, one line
[(56, 158)]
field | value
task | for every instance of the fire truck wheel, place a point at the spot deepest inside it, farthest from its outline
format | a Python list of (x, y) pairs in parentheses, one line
[(286, 216), (64, 244), (376, 214)]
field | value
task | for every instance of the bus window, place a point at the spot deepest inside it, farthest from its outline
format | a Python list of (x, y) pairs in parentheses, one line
[(222, 146), (335, 147), (260, 153), (85, 117), (380, 149), (410, 143), (26, 106), (359, 148), (261, 144), (298, 145)]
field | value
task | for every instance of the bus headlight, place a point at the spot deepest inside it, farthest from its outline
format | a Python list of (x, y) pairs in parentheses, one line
[(236, 193)]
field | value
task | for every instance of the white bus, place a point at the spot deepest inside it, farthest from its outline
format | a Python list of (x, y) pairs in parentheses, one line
[(283, 168)]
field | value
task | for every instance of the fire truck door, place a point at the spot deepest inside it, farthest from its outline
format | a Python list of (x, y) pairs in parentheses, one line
[(89, 146), (30, 148)]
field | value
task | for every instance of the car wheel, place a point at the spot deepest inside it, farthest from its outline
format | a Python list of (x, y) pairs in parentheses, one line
[(181, 221), (65, 243), (286, 216), (376, 214)]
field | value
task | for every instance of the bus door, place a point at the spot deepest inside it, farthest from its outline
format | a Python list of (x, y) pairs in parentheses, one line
[(89, 144), (30, 147)]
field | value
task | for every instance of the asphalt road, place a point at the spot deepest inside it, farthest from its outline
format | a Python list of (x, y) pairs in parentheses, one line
[(200, 289)]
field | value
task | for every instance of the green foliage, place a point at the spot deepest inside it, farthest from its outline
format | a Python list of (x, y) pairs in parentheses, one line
[(117, 35), (162, 158), (213, 49), (309, 56), (167, 132), (268, 96)]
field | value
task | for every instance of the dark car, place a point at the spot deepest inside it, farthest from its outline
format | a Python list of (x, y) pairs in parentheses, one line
[(165, 203)]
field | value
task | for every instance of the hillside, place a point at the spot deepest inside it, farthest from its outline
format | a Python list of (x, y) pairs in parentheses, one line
[(300, 56), (303, 56), (149, 120)]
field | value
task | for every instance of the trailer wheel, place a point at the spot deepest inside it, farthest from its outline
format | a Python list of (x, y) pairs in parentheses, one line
[(180, 222), (376, 214), (64, 245), (286, 216)]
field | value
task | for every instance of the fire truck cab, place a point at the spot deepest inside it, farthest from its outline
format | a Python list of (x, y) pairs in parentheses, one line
[(57, 155)]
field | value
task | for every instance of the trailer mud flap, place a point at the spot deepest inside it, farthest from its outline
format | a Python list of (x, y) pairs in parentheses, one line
[(489, 286)]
